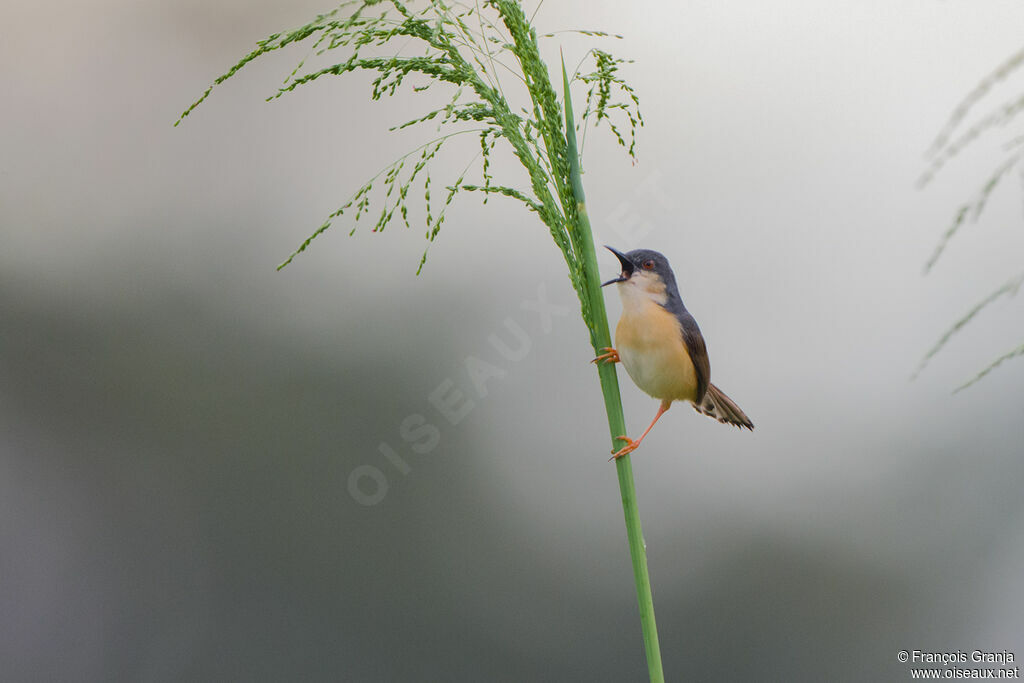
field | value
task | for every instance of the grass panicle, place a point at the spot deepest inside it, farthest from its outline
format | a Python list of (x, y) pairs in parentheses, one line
[(1009, 289), (972, 210), (956, 136), (472, 49), (501, 92), (1014, 353), (948, 143)]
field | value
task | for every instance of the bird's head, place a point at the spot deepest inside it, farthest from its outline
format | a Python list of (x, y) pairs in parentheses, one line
[(646, 272)]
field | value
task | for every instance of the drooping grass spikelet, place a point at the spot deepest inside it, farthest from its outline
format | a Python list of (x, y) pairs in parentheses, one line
[(1019, 351), (947, 145), (972, 210), (979, 91), (1008, 289), (601, 101), (1002, 115)]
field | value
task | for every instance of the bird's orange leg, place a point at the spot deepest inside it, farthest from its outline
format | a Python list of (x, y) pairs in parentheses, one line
[(632, 445), (610, 355)]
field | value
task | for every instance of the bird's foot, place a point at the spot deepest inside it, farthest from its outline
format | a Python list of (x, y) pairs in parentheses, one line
[(610, 355), (628, 448)]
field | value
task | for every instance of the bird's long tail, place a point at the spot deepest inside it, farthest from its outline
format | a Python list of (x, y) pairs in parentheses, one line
[(722, 408)]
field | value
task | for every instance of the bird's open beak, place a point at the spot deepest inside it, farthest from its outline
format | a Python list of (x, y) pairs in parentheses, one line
[(627, 267)]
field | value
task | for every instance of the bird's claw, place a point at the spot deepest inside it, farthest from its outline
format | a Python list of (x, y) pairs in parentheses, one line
[(610, 355), (628, 448)]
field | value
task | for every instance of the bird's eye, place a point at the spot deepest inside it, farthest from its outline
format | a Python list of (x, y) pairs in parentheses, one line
[(648, 265)]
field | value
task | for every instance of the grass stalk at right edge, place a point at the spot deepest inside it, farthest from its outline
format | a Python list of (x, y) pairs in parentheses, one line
[(601, 337)]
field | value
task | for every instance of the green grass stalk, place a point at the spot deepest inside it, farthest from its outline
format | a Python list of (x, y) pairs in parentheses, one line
[(601, 337)]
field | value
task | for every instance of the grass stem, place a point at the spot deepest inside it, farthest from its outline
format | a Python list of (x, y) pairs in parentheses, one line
[(601, 338)]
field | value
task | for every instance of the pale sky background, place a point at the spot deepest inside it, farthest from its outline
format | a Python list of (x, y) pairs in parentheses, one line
[(179, 422)]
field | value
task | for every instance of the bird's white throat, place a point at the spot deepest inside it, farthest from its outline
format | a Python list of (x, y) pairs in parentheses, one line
[(641, 289)]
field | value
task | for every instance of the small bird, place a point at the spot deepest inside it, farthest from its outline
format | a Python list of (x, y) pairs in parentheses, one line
[(660, 344)]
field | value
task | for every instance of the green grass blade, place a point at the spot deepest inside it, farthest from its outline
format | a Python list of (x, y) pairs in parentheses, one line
[(601, 337)]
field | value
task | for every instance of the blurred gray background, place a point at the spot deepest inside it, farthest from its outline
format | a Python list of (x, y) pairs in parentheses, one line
[(180, 425)]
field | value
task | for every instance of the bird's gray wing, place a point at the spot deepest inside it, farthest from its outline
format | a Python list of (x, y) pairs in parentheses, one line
[(694, 341)]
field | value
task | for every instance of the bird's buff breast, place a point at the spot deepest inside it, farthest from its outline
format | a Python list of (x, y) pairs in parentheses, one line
[(650, 345)]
